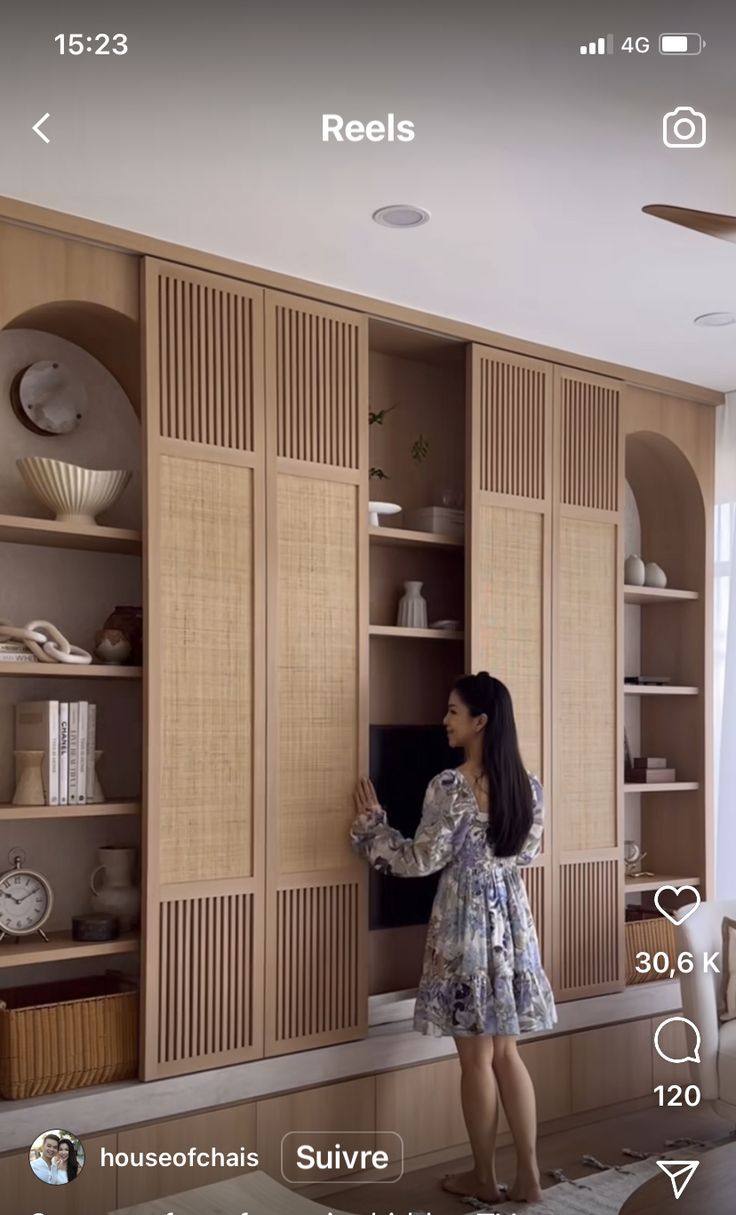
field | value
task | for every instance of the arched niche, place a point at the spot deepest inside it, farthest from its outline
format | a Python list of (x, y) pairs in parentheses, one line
[(108, 335), (673, 639), (671, 508)]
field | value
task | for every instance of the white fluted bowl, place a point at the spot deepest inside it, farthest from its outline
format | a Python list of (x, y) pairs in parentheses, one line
[(75, 494)]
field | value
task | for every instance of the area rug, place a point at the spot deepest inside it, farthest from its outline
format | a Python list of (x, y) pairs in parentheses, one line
[(598, 1194)]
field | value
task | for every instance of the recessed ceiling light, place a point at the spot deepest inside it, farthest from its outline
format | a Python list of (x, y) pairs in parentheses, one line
[(401, 215), (715, 320)]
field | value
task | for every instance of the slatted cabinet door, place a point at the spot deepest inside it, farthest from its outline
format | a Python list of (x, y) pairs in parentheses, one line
[(205, 670), (317, 411), (509, 431), (588, 665)]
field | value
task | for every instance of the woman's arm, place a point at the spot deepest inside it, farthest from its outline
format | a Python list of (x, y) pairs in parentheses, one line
[(440, 833), (533, 843)]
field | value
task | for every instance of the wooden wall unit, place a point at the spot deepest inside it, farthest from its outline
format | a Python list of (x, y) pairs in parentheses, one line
[(205, 687), (317, 409), (257, 615), (587, 723)]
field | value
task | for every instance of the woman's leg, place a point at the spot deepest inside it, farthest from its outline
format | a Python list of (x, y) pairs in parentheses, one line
[(517, 1094), (480, 1110)]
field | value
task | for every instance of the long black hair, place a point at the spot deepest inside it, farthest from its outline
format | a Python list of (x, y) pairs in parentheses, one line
[(511, 806), (72, 1164)]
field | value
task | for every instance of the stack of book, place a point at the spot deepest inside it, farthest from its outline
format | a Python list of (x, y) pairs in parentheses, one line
[(15, 651), (66, 733), (652, 770)]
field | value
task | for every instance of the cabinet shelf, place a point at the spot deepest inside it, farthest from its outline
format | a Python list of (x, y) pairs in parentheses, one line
[(656, 689), (637, 885), (68, 670), (390, 630), (676, 786), (19, 529), (61, 947), (411, 539), (10, 813), (651, 594)]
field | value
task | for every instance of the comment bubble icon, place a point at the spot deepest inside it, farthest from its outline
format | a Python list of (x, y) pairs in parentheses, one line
[(694, 1057)]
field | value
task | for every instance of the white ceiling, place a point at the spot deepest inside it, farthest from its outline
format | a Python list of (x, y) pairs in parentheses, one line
[(534, 161)]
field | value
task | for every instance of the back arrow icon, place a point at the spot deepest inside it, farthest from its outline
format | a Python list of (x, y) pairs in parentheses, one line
[(40, 123)]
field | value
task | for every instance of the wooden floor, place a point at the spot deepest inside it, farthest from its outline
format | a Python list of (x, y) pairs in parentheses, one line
[(645, 1131)]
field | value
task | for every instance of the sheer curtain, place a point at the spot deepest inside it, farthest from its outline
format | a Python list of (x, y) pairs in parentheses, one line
[(724, 611)]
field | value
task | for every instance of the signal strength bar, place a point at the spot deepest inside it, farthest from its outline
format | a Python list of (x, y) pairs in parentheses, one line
[(601, 46)]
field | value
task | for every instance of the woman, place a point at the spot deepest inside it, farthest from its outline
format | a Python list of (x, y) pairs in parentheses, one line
[(482, 980), (66, 1163)]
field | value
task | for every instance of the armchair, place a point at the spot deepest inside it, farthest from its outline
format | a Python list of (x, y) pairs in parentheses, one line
[(716, 1075)]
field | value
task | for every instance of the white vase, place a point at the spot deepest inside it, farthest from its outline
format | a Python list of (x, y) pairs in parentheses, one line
[(117, 894), (412, 613), (634, 570), (654, 575)]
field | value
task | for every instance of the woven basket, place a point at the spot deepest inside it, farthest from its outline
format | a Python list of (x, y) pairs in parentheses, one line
[(655, 934), (66, 1035)]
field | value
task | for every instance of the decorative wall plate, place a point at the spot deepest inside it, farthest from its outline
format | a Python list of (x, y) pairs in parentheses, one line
[(48, 398)]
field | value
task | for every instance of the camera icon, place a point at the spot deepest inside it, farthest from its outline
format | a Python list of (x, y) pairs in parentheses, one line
[(683, 127)]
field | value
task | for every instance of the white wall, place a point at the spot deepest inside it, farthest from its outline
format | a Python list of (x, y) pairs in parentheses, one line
[(724, 640)]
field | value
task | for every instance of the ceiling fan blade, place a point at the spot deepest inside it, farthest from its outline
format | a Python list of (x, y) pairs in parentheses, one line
[(708, 222)]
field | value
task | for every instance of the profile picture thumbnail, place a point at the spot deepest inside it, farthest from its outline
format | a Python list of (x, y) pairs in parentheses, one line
[(57, 1157)]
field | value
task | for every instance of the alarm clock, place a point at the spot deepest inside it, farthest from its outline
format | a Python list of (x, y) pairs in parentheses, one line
[(26, 899)]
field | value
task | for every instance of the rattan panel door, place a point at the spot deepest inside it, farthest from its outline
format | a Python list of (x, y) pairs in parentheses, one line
[(316, 968), (204, 670), (509, 561), (588, 686)]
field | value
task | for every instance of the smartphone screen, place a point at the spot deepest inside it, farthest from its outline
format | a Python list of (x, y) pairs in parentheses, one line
[(367, 639)]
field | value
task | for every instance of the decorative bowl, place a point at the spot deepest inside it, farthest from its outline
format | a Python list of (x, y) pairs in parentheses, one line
[(75, 494), (381, 508)]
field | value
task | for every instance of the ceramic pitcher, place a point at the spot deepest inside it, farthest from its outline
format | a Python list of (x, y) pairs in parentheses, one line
[(117, 893)]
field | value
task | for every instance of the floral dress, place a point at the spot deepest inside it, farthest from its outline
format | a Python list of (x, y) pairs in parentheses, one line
[(482, 972)]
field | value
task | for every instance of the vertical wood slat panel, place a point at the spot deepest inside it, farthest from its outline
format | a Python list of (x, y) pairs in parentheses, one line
[(589, 925), (316, 380), (207, 983), (589, 443), (206, 326), (512, 406), (317, 979), (534, 877)]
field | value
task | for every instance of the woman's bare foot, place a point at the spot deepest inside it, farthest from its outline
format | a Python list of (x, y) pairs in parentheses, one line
[(468, 1185), (526, 1188)]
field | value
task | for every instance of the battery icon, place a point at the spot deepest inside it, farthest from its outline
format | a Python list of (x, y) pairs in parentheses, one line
[(680, 44)]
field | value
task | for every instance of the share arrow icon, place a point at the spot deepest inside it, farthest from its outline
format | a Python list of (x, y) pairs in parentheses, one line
[(680, 1173)]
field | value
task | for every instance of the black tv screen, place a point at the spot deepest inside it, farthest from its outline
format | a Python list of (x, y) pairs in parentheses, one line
[(403, 760)]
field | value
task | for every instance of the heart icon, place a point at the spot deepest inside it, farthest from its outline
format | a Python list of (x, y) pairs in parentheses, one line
[(687, 911)]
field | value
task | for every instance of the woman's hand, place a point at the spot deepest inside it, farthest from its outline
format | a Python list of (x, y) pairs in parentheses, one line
[(368, 809)]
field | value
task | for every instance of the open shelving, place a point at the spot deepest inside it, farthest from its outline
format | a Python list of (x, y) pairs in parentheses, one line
[(665, 633), (21, 529), (657, 689), (109, 809), (675, 786), (643, 595), (634, 885), (61, 947), (68, 670), (74, 574), (386, 630), (407, 538)]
